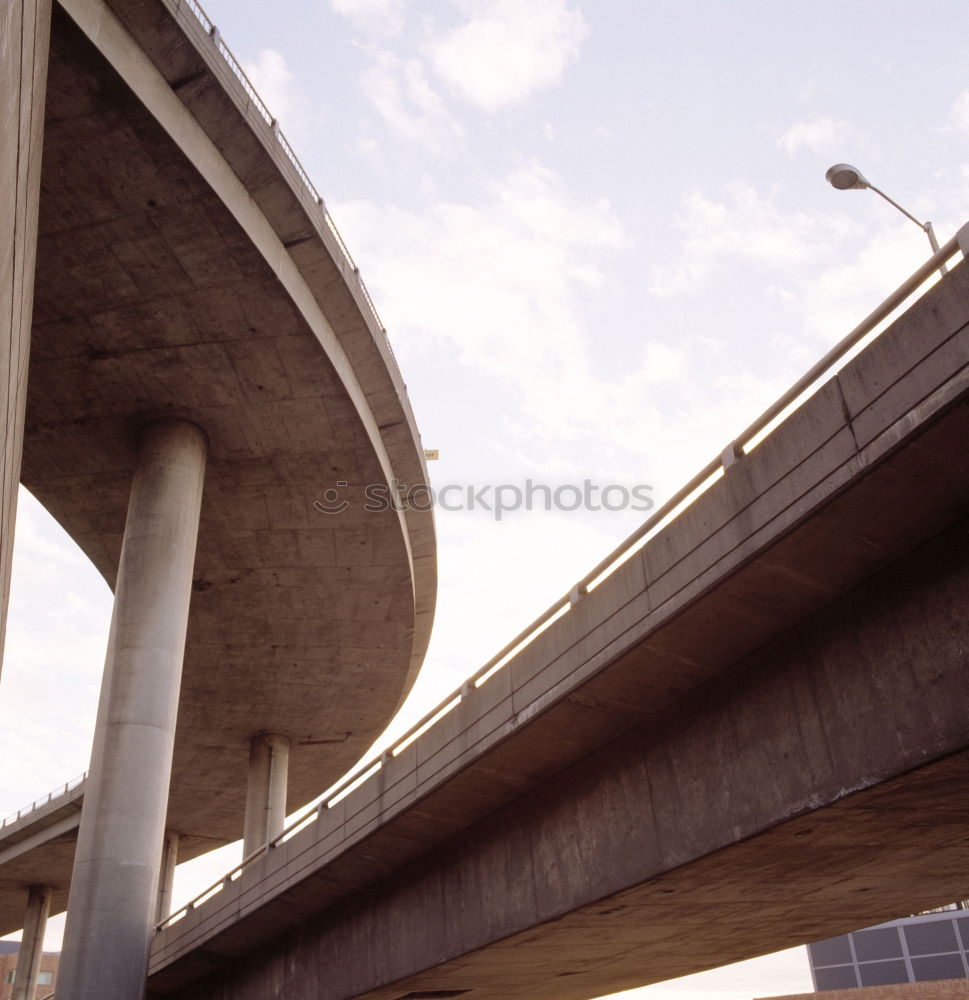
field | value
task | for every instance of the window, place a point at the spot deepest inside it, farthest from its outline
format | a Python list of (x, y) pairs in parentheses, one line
[(45, 978), (10, 975)]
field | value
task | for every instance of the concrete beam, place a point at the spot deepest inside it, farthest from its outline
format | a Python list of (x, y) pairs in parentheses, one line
[(777, 804), (42, 836), (114, 887), (32, 943), (24, 46)]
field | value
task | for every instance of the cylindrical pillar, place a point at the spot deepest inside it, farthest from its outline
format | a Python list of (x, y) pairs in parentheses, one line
[(24, 44), (166, 877), (266, 794), (116, 864), (32, 943)]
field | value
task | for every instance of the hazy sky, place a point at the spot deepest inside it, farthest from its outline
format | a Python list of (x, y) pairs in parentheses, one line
[(600, 239)]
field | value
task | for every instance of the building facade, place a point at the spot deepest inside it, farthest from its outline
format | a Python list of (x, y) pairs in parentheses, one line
[(46, 981), (925, 948)]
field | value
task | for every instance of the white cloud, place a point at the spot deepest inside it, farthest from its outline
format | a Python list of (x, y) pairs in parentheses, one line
[(959, 115), (507, 49), (836, 298), (412, 108), (273, 81), (384, 17), (497, 282), (59, 613), (503, 52), (746, 226), (827, 271), (822, 135), (503, 287)]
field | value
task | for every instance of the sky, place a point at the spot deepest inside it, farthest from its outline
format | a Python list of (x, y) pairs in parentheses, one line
[(601, 241)]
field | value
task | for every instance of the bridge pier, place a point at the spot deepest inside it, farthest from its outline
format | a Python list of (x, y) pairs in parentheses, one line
[(24, 45), (266, 794), (116, 868), (32, 943)]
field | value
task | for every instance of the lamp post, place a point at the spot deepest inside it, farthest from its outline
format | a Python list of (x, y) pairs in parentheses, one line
[(845, 177)]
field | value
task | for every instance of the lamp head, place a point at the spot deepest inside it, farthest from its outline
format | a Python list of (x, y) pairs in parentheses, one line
[(844, 177)]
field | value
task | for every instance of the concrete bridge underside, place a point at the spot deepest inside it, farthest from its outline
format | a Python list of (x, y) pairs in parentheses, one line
[(185, 273), (752, 734), (667, 851)]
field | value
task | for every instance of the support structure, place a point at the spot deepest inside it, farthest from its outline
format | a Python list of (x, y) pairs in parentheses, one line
[(24, 45), (166, 876), (266, 796), (116, 868), (32, 943)]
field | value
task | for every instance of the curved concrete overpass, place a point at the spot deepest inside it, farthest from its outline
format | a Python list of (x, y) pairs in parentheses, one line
[(185, 271)]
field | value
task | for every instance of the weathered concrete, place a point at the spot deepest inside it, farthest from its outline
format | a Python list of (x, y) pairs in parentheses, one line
[(266, 798), (721, 750), (116, 867), (38, 849), (24, 34), (187, 299), (32, 943), (691, 841), (185, 271)]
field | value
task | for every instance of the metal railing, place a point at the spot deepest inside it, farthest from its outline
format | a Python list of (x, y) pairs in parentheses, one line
[(348, 265), (43, 800), (713, 470)]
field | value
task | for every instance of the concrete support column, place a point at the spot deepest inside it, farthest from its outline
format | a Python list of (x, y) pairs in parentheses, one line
[(32, 943), (116, 866), (166, 877), (24, 44), (266, 796)]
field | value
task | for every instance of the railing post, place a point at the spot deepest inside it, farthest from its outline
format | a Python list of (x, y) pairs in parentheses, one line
[(731, 455), (963, 239)]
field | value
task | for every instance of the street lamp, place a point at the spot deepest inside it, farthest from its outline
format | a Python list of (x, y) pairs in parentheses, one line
[(845, 177)]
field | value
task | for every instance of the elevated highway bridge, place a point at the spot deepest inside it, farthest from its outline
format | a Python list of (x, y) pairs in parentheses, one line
[(745, 730), (189, 357)]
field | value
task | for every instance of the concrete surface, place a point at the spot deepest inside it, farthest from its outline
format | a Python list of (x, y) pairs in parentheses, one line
[(24, 34), (31, 951), (114, 887), (266, 797), (752, 734), (184, 271), (39, 849)]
